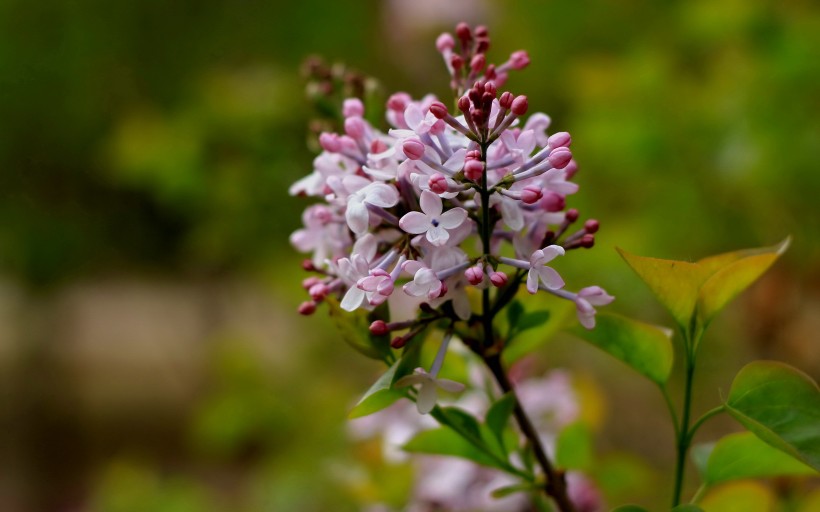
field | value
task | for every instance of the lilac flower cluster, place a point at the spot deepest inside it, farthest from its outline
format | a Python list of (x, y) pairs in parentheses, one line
[(444, 202)]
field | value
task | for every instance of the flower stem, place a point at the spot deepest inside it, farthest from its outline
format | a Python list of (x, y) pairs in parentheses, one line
[(556, 484)]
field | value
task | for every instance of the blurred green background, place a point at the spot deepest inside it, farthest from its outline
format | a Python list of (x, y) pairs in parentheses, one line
[(150, 354)]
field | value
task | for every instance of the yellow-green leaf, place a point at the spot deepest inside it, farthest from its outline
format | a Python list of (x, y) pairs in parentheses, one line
[(746, 496), (644, 347)]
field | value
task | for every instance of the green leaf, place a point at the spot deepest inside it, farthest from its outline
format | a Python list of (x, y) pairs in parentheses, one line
[(503, 492), (781, 405), (743, 455), (380, 395), (573, 449), (514, 311), (687, 508), (700, 456), (746, 496), (698, 291), (644, 347), (629, 508), (354, 329), (445, 441), (498, 416), (526, 342)]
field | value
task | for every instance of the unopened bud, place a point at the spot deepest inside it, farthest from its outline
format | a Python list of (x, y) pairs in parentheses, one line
[(309, 282), (559, 140), (318, 291), (355, 127), (560, 157), (482, 44), (330, 142), (473, 169), (531, 194), (464, 104), (490, 88), (519, 59), (478, 62), (591, 226), (474, 275), (352, 107), (571, 169), (398, 342), (413, 149), (506, 99), (307, 308), (445, 42), (439, 110), (438, 183), (587, 241), (379, 328), (571, 215), (456, 62), (308, 266), (520, 105), (398, 101), (553, 202), (498, 279), (481, 31), (378, 146), (463, 32)]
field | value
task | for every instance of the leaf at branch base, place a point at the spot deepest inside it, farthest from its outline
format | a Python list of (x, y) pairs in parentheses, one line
[(744, 455), (644, 347), (781, 405), (380, 395)]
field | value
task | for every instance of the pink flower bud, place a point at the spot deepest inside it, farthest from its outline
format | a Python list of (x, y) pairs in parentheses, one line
[(330, 142), (463, 32), (531, 194), (474, 275), (553, 202), (587, 241), (571, 169), (438, 183), (481, 31), (464, 104), (398, 342), (310, 282), (473, 169), (398, 101), (560, 157), (473, 155), (520, 105), (456, 62), (506, 99), (439, 110), (491, 89), (413, 149), (519, 59), (308, 266), (559, 140), (482, 44), (307, 308), (445, 42), (353, 107), (318, 291), (498, 279), (571, 215), (591, 226), (379, 328), (355, 127), (478, 62), (385, 288)]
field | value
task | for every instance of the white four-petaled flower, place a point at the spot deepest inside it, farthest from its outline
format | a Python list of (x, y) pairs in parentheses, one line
[(426, 399), (433, 222), (540, 272)]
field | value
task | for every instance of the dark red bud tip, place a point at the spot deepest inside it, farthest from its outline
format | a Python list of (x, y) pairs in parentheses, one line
[(587, 241), (307, 308), (572, 215), (520, 105), (398, 342), (482, 44), (439, 110), (481, 31), (379, 328), (464, 104), (506, 100), (456, 62), (463, 31), (591, 226), (308, 265), (490, 88)]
